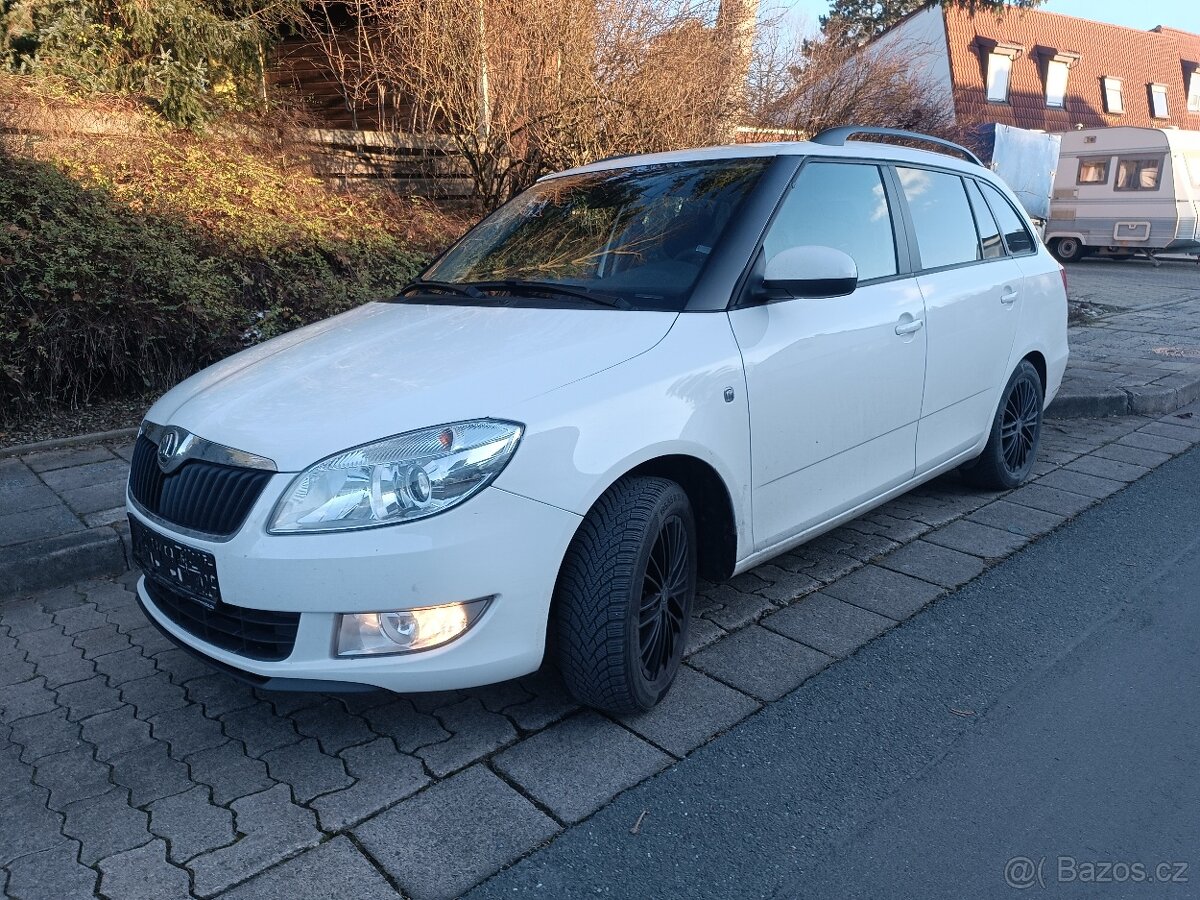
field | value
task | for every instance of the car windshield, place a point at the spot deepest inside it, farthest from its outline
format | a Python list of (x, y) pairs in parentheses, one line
[(638, 235)]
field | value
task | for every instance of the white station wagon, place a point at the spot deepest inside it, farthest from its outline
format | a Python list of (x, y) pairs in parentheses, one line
[(634, 372)]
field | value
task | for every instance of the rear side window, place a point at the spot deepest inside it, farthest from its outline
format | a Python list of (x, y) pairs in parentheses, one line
[(840, 205), (991, 246), (1012, 223), (941, 216), (1138, 173)]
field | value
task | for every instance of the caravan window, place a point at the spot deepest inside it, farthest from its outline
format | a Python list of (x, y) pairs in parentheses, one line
[(1093, 171), (1138, 173)]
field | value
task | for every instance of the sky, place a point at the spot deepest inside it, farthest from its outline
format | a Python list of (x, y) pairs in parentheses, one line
[(1184, 14)]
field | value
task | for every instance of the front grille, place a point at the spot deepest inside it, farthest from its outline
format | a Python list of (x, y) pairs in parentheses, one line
[(253, 633), (199, 495)]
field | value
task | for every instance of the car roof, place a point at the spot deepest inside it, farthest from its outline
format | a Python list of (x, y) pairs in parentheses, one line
[(849, 150)]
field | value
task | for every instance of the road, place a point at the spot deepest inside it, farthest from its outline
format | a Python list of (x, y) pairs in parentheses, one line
[(1038, 728)]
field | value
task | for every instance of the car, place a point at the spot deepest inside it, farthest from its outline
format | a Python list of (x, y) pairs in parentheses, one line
[(635, 374)]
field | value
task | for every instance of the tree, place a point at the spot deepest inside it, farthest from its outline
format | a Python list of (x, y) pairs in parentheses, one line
[(857, 21)]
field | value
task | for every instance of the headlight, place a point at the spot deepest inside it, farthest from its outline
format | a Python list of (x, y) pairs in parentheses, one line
[(399, 479)]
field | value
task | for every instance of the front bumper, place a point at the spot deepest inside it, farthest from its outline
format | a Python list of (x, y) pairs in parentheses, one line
[(497, 544)]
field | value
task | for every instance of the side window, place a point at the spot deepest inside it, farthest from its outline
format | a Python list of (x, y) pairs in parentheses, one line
[(1138, 173), (941, 216), (841, 205), (1012, 223), (991, 246), (1093, 171)]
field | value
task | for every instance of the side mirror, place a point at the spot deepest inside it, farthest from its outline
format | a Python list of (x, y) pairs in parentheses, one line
[(811, 272)]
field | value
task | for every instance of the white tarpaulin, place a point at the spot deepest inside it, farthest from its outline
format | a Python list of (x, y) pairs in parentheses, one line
[(1026, 161)]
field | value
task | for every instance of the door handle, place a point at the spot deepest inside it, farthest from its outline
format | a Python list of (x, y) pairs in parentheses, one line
[(1009, 297), (910, 327)]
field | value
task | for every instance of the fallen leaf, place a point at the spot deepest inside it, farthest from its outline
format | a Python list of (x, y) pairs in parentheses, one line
[(637, 826)]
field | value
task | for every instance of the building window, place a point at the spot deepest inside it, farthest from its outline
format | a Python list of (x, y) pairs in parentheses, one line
[(1138, 173), (1093, 171), (1158, 101), (1194, 91), (1056, 83), (998, 72), (1114, 95)]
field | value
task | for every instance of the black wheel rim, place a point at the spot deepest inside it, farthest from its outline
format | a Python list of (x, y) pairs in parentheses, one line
[(663, 608), (1019, 426)]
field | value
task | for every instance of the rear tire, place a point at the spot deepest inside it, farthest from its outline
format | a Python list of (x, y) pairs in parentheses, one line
[(1067, 249), (1012, 445), (624, 596)]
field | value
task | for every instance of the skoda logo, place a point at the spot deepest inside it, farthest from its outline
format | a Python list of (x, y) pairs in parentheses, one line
[(169, 448)]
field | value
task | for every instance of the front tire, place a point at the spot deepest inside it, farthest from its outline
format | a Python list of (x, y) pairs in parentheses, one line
[(624, 596), (1012, 445), (1067, 249)]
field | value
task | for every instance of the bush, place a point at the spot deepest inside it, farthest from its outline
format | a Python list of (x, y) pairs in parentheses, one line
[(129, 263)]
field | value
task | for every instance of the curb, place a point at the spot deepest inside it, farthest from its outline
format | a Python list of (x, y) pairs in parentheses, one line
[(1139, 401), (82, 440), (58, 561)]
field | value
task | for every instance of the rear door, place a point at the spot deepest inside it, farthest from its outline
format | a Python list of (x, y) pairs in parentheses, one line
[(972, 293), (834, 384)]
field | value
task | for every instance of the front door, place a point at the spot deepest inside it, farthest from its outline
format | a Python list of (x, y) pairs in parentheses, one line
[(835, 384)]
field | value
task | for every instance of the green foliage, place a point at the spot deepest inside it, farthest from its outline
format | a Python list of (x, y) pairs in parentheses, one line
[(193, 58), (855, 22), (123, 272)]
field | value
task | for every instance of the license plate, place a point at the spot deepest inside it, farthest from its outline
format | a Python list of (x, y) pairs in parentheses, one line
[(183, 569)]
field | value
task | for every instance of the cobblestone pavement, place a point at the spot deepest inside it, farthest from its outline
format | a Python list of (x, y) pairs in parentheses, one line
[(129, 769)]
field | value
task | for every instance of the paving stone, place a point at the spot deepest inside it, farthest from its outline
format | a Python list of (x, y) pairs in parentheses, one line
[(191, 824), (1138, 456), (696, 709), (65, 668), (15, 775), (108, 595), (79, 617), (49, 460), (52, 874), (498, 697), (333, 727), (1108, 468), (1172, 430), (124, 665), (882, 591), (285, 703), (15, 475), (116, 732), (14, 669), (259, 729), (832, 566), (475, 732), (1048, 499), (98, 641), (828, 624), (30, 498), (787, 586), (44, 734), (105, 516), (143, 874), (20, 527), (44, 642), (23, 616), (26, 824), (1017, 519), (309, 771), (150, 774), (977, 540), (701, 633), (760, 662), (186, 730), (550, 702), (1079, 483), (83, 699), (72, 775), (888, 523), (26, 698), (92, 498), (450, 837), (153, 695), (105, 825), (335, 870), (181, 666), (273, 828), (400, 721), (78, 476), (382, 777), (1154, 442), (229, 772), (939, 565), (576, 766), (150, 641), (731, 608), (62, 599), (127, 618), (218, 694)]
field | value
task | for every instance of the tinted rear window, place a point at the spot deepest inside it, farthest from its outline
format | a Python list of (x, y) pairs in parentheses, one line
[(941, 216)]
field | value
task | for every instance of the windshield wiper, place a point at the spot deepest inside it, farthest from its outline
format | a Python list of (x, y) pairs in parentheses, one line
[(553, 288), (449, 287)]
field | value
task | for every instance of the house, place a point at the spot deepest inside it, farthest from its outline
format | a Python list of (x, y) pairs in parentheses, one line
[(1041, 70)]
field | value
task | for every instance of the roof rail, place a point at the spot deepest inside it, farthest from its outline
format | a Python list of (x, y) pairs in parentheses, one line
[(837, 137)]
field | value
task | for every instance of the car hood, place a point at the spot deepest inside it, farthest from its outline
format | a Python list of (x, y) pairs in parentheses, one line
[(385, 368)]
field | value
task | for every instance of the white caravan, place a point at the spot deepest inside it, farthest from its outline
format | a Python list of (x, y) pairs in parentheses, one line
[(1124, 191)]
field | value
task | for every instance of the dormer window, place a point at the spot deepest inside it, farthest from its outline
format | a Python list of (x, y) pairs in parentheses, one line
[(1057, 68), (1114, 95), (1158, 102), (998, 72), (1193, 90)]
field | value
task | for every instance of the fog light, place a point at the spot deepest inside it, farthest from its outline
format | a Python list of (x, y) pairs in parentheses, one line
[(406, 630)]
